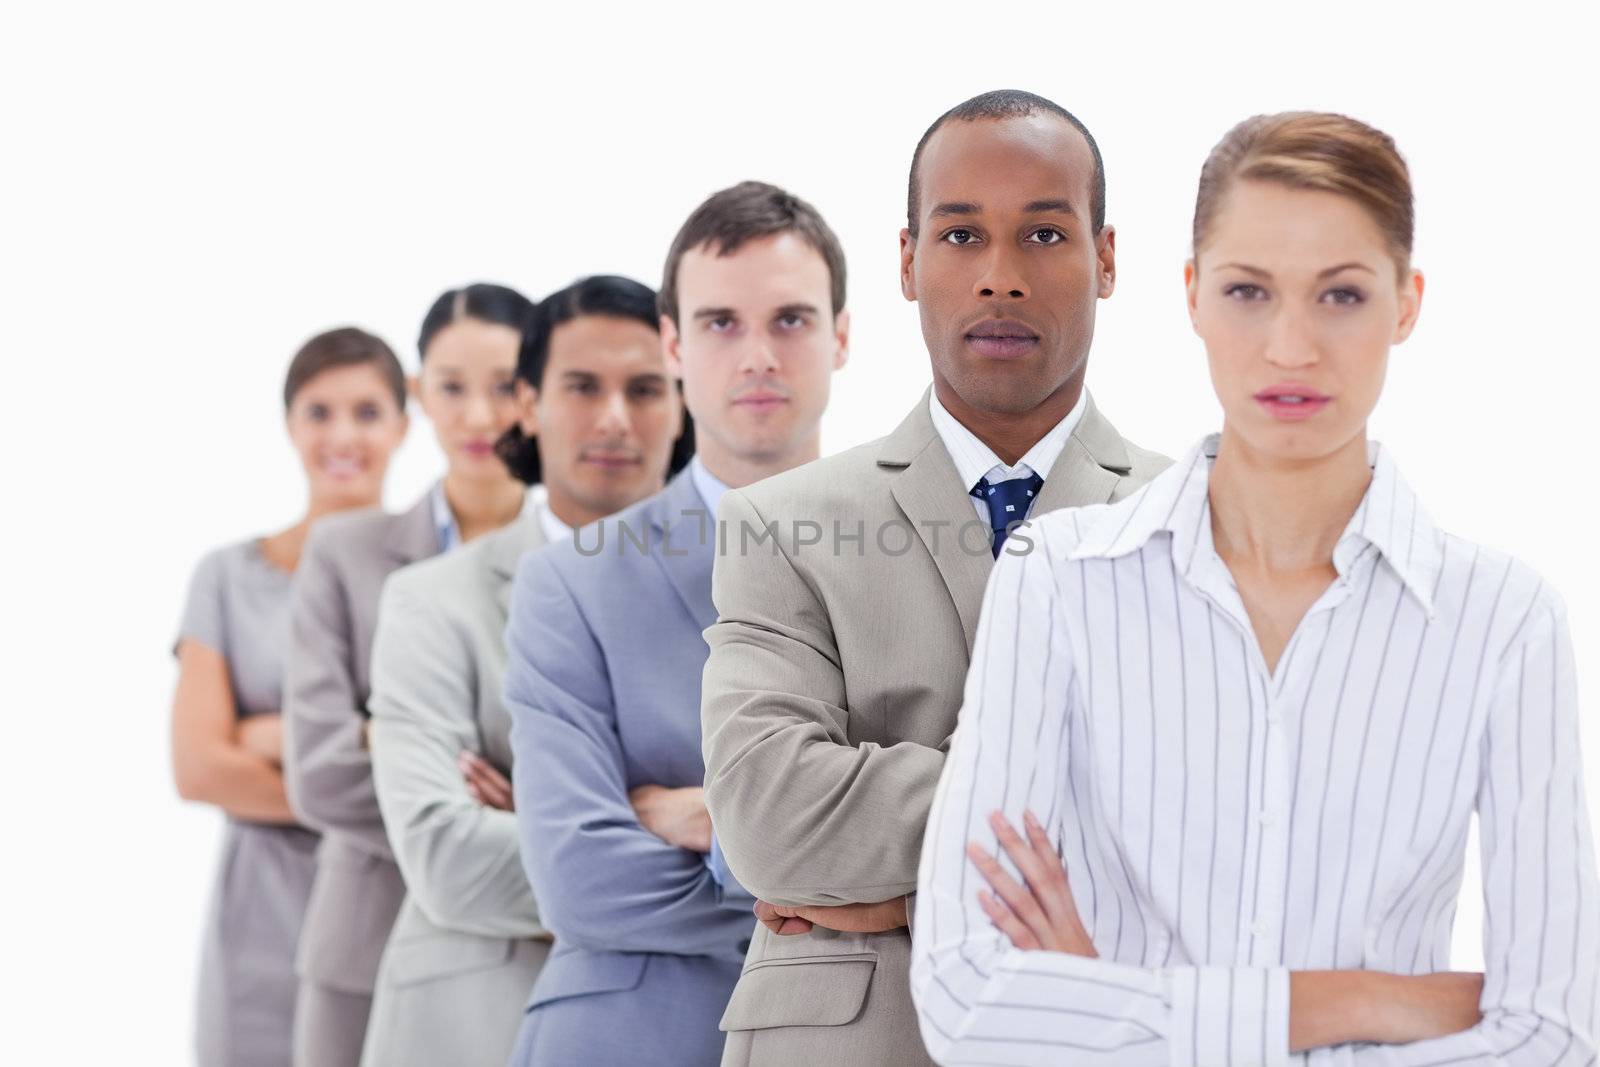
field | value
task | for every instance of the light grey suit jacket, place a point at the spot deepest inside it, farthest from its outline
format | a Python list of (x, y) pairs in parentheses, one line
[(832, 689), (327, 769), (468, 944), (603, 687)]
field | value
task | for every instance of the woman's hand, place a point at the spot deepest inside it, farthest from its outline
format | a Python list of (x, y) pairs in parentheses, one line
[(1040, 914), (488, 786), (677, 816)]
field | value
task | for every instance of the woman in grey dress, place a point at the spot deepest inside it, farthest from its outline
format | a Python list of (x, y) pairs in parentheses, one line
[(344, 399)]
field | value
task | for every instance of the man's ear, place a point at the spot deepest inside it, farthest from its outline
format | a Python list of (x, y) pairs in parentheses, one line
[(1105, 250), (672, 347), (527, 408), (841, 336), (908, 252)]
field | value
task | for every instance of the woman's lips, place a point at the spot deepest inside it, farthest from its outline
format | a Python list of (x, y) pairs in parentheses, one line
[(1292, 403), (479, 449)]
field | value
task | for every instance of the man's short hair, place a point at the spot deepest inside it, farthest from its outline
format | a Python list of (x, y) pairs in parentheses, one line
[(1009, 104), (746, 212)]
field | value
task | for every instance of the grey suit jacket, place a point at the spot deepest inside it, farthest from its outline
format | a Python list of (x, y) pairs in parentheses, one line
[(463, 953), (603, 687), (327, 770), (831, 691)]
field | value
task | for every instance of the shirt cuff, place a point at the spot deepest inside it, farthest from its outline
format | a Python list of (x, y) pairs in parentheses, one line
[(1230, 1015)]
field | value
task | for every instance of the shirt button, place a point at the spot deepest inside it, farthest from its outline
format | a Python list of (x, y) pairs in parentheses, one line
[(1268, 819), (1274, 719), (1262, 928)]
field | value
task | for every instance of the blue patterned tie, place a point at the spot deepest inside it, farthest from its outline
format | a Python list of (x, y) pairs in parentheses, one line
[(1008, 503)]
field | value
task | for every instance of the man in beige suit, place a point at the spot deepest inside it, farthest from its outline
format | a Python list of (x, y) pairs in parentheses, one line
[(848, 590)]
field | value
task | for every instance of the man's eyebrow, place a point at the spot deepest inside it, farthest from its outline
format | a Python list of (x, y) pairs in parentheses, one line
[(954, 207), (648, 378), (579, 375), (797, 309), (1034, 207), (714, 313)]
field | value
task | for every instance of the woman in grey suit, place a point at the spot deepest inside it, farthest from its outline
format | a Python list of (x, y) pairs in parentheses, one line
[(344, 399), (468, 347), (599, 415)]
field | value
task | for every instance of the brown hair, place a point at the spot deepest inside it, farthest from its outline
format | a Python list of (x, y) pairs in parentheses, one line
[(344, 347), (745, 212), (1313, 150)]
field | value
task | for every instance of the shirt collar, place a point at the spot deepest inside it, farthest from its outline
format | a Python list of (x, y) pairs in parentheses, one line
[(449, 533), (975, 460), (549, 522), (711, 487), (1390, 519)]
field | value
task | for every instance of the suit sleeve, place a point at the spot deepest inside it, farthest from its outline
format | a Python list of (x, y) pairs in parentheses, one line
[(804, 816), (459, 858), (603, 881), (327, 770)]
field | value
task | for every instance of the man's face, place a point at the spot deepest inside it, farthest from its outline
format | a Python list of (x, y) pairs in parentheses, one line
[(1005, 269), (756, 345)]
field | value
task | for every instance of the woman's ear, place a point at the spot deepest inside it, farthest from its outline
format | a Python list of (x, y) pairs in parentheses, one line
[(1191, 285), (527, 408), (1410, 305)]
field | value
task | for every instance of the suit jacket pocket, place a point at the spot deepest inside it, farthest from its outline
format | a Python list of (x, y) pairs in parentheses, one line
[(801, 991), (577, 973), (422, 959)]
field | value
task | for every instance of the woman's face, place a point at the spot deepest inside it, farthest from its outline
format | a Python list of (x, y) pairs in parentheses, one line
[(1298, 298), (466, 391), (345, 424)]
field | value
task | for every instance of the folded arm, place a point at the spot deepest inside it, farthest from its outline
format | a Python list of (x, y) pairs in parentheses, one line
[(603, 881), (211, 763), (327, 768), (460, 859), (804, 817)]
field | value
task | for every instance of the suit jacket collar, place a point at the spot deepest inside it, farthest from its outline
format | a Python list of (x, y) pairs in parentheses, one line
[(503, 548), (683, 535), (928, 490), (411, 535)]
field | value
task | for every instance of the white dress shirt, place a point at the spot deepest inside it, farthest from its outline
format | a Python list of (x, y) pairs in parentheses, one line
[(1222, 825), (976, 461), (554, 529), (449, 531), (710, 487)]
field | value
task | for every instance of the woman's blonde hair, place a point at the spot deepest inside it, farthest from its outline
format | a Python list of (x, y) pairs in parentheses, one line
[(1314, 150)]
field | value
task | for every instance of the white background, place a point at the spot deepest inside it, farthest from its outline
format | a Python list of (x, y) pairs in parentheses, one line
[(191, 191)]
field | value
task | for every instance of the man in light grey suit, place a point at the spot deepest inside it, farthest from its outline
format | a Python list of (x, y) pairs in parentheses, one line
[(836, 669), (468, 942), (605, 651)]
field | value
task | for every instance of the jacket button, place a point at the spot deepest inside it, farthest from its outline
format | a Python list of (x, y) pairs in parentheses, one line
[(744, 946)]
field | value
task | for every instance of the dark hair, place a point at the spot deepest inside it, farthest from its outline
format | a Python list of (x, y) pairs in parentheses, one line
[(483, 301), (745, 212), (1009, 104), (599, 294), (344, 347)]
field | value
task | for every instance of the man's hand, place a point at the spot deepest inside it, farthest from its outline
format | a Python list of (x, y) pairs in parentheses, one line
[(1040, 914), (488, 786), (677, 816), (262, 736), (846, 918)]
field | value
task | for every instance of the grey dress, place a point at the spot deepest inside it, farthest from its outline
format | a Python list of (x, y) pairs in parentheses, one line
[(239, 605)]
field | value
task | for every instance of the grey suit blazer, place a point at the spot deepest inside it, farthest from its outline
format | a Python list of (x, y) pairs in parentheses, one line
[(603, 687), (467, 944), (832, 688), (327, 770)]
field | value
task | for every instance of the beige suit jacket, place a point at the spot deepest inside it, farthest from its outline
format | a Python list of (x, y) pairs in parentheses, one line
[(468, 943), (327, 767), (832, 689)]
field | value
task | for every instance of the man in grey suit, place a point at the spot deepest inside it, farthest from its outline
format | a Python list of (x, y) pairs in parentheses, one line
[(836, 669), (468, 942), (606, 648)]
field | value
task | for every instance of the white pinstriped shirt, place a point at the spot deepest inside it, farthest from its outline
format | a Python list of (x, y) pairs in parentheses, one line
[(1222, 825)]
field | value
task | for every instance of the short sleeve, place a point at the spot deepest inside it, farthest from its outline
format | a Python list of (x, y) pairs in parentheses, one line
[(203, 611)]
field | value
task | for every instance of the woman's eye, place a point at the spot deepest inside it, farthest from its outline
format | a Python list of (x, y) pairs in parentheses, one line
[(1245, 291), (960, 237), (1047, 235), (1343, 297), (505, 389), (317, 413), (367, 412), (452, 388)]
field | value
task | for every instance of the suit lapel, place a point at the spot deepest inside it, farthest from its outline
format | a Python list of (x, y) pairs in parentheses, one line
[(929, 492), (688, 546), (411, 535), (508, 546), (1089, 467)]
